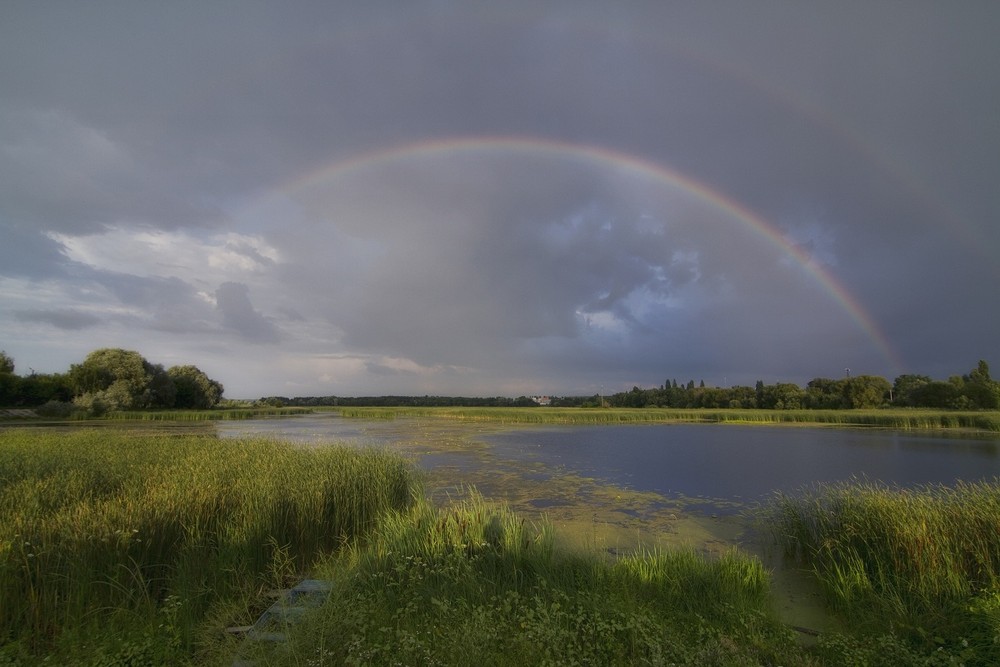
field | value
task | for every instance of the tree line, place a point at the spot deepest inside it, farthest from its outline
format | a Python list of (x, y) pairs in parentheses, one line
[(973, 391), (425, 401), (108, 379), (116, 379)]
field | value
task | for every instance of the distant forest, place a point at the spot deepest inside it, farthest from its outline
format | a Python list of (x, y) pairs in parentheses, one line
[(973, 391), (115, 379)]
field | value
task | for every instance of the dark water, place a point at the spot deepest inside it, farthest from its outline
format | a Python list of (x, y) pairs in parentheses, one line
[(742, 464), (747, 463)]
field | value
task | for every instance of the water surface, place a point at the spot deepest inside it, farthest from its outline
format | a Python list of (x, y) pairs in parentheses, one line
[(719, 463)]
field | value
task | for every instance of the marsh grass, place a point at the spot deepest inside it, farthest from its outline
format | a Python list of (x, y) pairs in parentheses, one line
[(926, 560), (101, 528), (475, 584), (217, 414), (894, 419)]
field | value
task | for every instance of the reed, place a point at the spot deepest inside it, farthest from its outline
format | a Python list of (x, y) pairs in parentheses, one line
[(95, 524), (927, 559)]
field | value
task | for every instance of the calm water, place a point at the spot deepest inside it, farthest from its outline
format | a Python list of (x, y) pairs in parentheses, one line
[(715, 462), (750, 462)]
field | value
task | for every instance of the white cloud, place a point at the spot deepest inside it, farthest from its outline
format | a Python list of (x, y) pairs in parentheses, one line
[(149, 253)]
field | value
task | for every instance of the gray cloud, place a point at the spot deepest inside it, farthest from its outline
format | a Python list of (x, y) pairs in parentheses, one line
[(67, 319), (239, 315), (866, 134)]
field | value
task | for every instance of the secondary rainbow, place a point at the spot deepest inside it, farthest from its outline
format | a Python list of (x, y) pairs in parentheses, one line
[(622, 161)]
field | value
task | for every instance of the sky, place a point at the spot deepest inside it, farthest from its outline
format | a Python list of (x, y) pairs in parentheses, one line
[(501, 198)]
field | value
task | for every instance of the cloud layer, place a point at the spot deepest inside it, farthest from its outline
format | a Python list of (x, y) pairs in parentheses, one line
[(171, 185)]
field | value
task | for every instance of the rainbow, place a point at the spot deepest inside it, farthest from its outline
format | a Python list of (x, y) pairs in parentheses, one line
[(626, 163)]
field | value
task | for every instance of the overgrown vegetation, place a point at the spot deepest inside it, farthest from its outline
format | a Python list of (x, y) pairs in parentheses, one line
[(475, 584), (923, 563), (114, 542)]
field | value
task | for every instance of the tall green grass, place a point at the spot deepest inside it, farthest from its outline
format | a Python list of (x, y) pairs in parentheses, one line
[(894, 419), (475, 584), (926, 560), (100, 527)]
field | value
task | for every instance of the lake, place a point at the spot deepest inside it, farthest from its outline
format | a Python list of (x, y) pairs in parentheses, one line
[(617, 488), (725, 463)]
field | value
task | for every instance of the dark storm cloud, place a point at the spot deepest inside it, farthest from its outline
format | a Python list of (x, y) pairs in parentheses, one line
[(239, 315), (28, 253), (384, 370), (864, 131), (67, 319)]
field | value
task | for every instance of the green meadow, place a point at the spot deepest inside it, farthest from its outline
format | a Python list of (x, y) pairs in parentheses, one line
[(132, 547)]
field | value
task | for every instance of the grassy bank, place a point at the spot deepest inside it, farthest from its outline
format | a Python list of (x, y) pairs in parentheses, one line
[(894, 419), (118, 544), (924, 563), (474, 584)]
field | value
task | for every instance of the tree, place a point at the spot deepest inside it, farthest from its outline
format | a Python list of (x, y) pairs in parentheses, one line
[(160, 392), (981, 373), (980, 389), (935, 394), (866, 391), (825, 394), (8, 381), (906, 388), (193, 388), (780, 396), (6, 363), (121, 380), (41, 388)]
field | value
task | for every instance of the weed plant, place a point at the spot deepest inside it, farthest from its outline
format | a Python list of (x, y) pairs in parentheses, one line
[(924, 562), (147, 534)]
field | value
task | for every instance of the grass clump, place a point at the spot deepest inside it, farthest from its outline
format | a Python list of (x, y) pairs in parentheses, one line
[(147, 534), (921, 563), (475, 584)]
